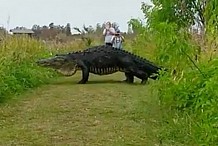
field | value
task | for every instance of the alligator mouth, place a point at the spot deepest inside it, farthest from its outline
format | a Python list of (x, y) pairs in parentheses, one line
[(42, 62), (67, 71), (62, 67)]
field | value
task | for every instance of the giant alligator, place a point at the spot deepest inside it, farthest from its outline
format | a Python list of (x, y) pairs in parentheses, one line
[(102, 60)]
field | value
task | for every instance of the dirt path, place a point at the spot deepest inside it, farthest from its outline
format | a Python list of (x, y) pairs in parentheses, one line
[(103, 112)]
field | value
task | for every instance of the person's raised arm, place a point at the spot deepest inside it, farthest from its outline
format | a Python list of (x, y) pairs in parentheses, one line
[(112, 39), (111, 30), (123, 39), (104, 32)]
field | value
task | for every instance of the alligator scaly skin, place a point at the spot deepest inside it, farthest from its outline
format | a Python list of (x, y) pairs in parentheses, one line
[(104, 60)]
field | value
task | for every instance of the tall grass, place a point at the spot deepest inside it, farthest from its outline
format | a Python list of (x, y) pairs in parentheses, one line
[(188, 98), (18, 70)]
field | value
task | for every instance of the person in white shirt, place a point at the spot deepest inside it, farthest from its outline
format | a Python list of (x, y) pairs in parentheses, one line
[(108, 33), (117, 40)]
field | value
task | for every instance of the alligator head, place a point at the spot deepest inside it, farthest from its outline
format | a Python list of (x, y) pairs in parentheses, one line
[(61, 63)]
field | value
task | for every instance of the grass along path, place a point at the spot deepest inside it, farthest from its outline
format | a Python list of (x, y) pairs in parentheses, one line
[(102, 112)]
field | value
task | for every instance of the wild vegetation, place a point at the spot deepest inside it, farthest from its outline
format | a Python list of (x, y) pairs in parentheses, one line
[(17, 65), (188, 97), (18, 54)]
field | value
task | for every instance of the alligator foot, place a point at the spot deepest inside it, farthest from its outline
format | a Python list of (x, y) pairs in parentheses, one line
[(82, 82), (125, 81), (129, 78), (144, 81), (128, 81)]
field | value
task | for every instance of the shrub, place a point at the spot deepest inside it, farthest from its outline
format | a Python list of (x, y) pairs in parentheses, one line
[(18, 70), (188, 98)]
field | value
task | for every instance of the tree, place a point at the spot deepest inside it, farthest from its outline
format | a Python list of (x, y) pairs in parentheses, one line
[(135, 26), (37, 30), (88, 29), (185, 13), (51, 25), (68, 29), (3, 32), (99, 28), (77, 29), (129, 31)]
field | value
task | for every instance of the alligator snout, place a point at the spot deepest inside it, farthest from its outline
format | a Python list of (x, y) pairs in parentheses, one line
[(42, 62), (38, 62)]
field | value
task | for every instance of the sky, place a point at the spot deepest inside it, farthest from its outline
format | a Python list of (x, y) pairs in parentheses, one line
[(76, 12)]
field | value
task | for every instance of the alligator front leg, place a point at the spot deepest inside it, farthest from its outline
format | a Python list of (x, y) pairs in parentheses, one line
[(85, 73), (129, 78)]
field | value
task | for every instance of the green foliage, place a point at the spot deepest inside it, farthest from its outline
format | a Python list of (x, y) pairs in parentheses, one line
[(135, 25), (187, 92), (183, 13), (211, 18), (18, 70), (191, 96)]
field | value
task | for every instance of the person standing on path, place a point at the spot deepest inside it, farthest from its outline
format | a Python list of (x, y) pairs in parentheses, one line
[(117, 40), (108, 33)]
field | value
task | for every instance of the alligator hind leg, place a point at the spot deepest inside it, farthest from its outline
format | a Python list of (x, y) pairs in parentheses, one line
[(144, 80), (129, 78), (141, 75)]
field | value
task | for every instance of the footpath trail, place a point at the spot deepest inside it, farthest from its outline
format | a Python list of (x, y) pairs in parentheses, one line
[(103, 112)]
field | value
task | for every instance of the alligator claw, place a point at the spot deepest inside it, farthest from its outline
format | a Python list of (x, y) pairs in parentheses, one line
[(127, 81), (81, 82)]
